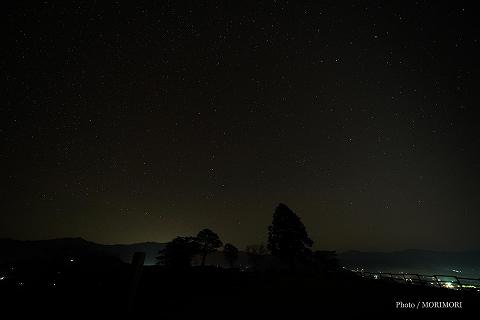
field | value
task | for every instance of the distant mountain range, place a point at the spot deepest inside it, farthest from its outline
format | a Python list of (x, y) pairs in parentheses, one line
[(418, 261), (466, 263), (16, 250)]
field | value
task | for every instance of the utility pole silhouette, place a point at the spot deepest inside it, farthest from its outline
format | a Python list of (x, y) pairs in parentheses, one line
[(137, 266)]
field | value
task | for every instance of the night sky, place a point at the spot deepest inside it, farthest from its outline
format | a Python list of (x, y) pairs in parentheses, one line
[(125, 122)]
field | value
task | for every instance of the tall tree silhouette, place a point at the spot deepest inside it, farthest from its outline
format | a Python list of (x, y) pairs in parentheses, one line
[(287, 237), (230, 252), (179, 252), (209, 242)]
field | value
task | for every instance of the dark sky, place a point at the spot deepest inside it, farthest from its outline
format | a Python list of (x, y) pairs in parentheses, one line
[(126, 122)]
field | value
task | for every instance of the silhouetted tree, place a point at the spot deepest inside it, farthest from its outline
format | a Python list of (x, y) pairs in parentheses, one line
[(256, 254), (209, 242), (230, 252), (326, 260), (179, 252), (287, 237)]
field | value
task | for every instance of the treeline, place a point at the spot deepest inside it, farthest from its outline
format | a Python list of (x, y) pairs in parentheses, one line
[(288, 243)]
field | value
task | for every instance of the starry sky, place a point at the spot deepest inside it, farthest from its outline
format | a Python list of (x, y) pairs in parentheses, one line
[(127, 122)]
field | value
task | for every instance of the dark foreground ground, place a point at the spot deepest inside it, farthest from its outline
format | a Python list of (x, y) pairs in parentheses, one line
[(218, 293)]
